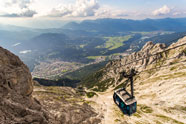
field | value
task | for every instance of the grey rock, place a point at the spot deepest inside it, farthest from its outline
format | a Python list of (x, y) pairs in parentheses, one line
[(17, 105)]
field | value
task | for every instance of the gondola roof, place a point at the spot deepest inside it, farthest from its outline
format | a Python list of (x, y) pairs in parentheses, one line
[(125, 96)]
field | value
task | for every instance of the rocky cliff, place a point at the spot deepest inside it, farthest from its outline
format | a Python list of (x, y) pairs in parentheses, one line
[(18, 106)]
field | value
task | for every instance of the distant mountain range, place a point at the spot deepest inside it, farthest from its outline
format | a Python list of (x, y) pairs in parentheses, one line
[(117, 25), (83, 42)]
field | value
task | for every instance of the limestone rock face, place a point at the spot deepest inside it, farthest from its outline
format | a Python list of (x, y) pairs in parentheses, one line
[(59, 105), (14, 74), (129, 62), (113, 68), (16, 86)]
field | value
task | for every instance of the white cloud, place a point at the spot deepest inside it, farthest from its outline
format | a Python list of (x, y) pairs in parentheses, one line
[(18, 8), (81, 8), (21, 3), (22, 13), (179, 13), (110, 12), (25, 51), (162, 11)]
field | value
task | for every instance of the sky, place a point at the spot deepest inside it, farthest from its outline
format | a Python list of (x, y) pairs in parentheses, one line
[(38, 13)]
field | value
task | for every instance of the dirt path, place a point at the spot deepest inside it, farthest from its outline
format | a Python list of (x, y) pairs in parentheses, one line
[(105, 106)]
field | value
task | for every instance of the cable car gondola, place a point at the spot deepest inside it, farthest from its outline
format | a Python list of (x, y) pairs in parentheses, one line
[(125, 101)]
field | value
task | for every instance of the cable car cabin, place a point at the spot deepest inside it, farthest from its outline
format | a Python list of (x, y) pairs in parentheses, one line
[(125, 102)]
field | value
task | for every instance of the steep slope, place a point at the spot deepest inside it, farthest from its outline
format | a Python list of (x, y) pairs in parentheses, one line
[(160, 91), (67, 105), (18, 106), (16, 102)]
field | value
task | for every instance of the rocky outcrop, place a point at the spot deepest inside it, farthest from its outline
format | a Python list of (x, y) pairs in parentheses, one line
[(57, 106), (148, 49), (66, 105), (17, 106), (110, 76), (134, 60)]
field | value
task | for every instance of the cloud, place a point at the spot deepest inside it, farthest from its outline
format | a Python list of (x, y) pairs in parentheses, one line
[(179, 13), (81, 8), (21, 3), (23, 13), (19, 8), (165, 10), (107, 12)]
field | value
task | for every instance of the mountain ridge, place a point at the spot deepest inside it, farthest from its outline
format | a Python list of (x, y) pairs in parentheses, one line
[(113, 69), (159, 86), (129, 25)]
